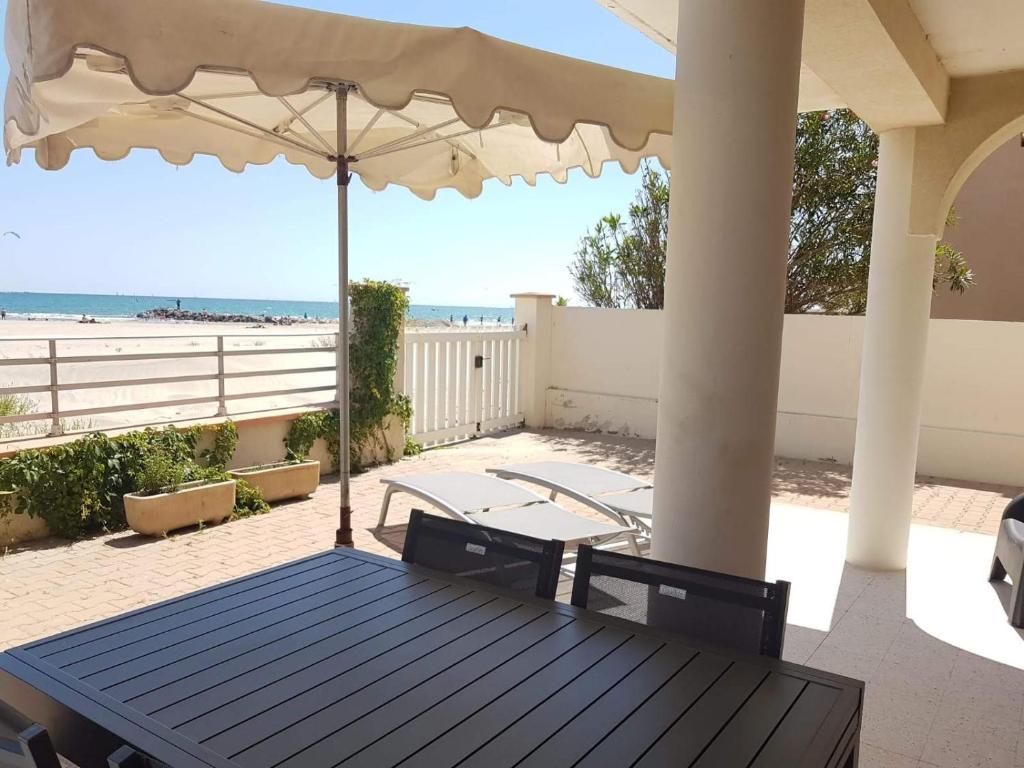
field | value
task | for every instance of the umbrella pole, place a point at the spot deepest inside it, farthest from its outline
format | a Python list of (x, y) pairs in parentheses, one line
[(344, 534)]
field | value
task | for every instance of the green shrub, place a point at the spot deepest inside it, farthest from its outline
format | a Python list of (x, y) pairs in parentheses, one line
[(249, 500), (78, 488), (159, 474)]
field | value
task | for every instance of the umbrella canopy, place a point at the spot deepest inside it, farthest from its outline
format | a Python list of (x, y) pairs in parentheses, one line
[(246, 81)]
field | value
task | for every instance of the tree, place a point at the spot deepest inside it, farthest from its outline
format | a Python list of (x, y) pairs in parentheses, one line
[(623, 265), (834, 181)]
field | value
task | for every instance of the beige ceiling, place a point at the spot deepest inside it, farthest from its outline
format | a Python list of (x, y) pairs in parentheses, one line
[(888, 60), (974, 37)]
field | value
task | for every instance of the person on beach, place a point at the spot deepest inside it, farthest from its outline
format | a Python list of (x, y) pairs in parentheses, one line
[(178, 303), (465, 320), (3, 314)]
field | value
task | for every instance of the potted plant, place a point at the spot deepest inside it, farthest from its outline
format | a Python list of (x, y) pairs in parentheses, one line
[(164, 501), (292, 478)]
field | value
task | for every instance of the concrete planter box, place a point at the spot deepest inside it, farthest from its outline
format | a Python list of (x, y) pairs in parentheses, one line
[(283, 480), (191, 504), (16, 527)]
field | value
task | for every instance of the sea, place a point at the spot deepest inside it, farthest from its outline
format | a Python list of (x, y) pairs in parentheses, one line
[(71, 306)]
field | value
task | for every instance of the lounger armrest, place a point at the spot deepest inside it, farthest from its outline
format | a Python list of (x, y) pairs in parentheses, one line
[(1015, 509)]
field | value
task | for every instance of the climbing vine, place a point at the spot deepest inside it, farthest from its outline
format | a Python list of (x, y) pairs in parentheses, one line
[(378, 319), (378, 311), (225, 440)]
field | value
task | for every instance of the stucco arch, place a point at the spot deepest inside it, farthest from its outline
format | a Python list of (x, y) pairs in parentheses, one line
[(984, 112)]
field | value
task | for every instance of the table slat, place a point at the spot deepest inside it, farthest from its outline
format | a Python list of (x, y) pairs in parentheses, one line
[(350, 660)]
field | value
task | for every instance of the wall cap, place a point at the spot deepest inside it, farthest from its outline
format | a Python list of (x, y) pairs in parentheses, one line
[(531, 295)]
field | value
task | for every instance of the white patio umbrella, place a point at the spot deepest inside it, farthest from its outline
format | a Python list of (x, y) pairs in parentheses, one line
[(247, 81)]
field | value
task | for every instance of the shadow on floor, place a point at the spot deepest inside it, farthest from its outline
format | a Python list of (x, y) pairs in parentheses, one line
[(391, 536)]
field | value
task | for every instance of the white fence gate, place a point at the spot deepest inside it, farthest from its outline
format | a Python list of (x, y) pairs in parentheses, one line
[(462, 384)]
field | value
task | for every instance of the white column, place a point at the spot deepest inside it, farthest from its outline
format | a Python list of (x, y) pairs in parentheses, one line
[(737, 80), (533, 312), (892, 367)]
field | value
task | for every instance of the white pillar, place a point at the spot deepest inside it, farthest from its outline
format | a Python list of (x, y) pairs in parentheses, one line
[(533, 312), (737, 80), (892, 367)]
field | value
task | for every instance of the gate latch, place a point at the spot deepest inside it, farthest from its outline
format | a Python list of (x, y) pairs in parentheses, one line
[(478, 361)]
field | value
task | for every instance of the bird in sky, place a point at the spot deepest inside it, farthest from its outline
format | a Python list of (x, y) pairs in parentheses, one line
[(10, 232)]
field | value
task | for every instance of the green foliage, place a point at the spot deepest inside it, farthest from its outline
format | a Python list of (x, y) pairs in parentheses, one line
[(249, 500), (561, 301), (378, 319), (78, 487), (310, 427), (951, 266), (225, 440), (378, 311), (834, 181), (623, 264), (21, 405), (302, 433), (412, 448), (159, 474), (14, 405)]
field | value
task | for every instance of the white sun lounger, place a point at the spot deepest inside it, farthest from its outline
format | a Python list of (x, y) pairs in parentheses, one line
[(604, 490), (487, 500)]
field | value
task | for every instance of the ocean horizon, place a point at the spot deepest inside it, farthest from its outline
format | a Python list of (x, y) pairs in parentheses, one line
[(71, 306)]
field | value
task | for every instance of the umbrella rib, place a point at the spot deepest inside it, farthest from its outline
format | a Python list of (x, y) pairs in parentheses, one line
[(586, 149), (273, 137), (301, 118), (366, 129), (458, 146), (257, 127), (227, 95), (382, 148), (448, 138)]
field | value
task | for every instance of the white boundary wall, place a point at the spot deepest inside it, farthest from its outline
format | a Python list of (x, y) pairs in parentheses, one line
[(604, 368)]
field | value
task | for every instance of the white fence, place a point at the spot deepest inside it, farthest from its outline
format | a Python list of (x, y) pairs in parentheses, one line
[(462, 384)]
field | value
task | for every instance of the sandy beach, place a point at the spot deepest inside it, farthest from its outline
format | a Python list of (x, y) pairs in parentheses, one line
[(29, 339)]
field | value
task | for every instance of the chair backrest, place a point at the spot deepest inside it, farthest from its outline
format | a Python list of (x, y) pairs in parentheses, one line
[(709, 607), (510, 560), (32, 749)]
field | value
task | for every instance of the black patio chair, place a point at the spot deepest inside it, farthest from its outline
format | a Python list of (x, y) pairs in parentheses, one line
[(32, 749), (510, 560), (715, 608), (1009, 557)]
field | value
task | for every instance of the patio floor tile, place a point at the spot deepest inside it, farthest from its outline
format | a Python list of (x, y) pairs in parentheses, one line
[(944, 671)]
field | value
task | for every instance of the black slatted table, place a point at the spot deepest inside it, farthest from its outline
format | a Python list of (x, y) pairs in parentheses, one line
[(350, 659)]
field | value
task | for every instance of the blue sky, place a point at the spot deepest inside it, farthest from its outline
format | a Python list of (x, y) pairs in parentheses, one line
[(142, 226)]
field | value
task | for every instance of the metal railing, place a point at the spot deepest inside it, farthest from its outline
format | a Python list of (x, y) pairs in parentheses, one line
[(56, 362)]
